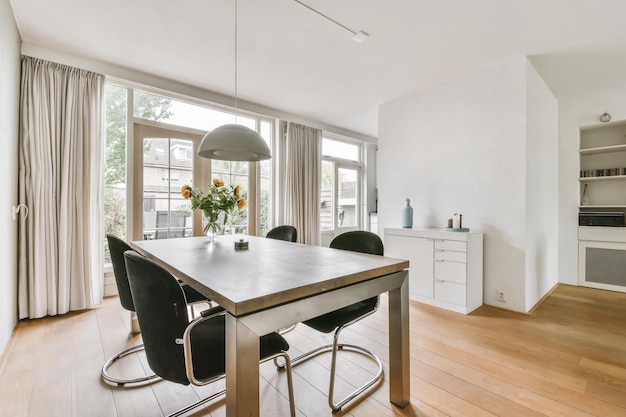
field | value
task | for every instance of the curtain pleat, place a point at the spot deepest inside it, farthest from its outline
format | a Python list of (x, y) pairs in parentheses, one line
[(302, 182), (60, 181)]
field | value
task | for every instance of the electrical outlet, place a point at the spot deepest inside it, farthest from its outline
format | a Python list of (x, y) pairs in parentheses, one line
[(501, 296)]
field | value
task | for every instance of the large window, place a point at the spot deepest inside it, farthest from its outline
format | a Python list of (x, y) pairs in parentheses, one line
[(164, 181), (115, 163), (166, 213), (340, 185)]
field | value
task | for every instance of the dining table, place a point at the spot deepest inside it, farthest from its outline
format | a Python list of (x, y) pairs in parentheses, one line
[(266, 284)]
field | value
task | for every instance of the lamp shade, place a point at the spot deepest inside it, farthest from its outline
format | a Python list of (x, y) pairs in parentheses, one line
[(234, 143)]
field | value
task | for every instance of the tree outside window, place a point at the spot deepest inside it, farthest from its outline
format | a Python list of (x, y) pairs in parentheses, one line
[(146, 106)]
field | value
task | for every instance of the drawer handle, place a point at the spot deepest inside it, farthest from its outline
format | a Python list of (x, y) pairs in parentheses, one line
[(439, 280), (439, 250), (439, 260)]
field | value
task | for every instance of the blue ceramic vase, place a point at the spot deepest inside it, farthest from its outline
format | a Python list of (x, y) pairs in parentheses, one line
[(407, 215)]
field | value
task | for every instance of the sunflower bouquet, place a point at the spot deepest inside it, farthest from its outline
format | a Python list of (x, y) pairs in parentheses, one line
[(218, 198)]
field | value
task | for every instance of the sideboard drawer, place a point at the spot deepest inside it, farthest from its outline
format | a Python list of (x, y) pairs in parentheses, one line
[(448, 255), (450, 271), (450, 292), (455, 245)]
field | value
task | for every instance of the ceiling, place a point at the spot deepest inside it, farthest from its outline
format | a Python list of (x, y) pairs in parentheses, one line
[(296, 61)]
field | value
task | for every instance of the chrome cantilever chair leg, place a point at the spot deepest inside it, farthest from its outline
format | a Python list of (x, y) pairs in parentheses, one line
[(134, 329), (287, 329), (334, 348), (121, 381), (337, 320), (197, 404), (287, 364)]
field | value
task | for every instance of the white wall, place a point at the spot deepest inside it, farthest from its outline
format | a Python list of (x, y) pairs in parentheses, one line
[(573, 114), (542, 188), (461, 147), (10, 44)]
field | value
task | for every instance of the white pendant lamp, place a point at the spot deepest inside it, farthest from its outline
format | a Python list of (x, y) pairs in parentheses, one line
[(233, 142)]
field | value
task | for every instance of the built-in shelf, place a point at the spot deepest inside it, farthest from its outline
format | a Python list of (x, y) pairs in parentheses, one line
[(602, 175), (607, 178), (602, 250), (598, 206), (603, 149)]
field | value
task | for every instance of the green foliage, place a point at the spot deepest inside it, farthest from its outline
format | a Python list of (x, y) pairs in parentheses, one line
[(265, 212), (115, 155), (152, 107), (114, 212), (147, 106)]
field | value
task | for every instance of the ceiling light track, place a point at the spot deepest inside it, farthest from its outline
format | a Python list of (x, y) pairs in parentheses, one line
[(356, 36)]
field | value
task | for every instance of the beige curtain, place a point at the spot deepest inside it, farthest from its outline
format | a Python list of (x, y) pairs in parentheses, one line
[(60, 181), (302, 181)]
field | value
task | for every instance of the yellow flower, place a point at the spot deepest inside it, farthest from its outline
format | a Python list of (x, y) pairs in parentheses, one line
[(241, 203), (186, 191), (217, 182), (237, 191)]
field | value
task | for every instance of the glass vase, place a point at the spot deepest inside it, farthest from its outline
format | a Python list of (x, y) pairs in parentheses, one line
[(212, 227)]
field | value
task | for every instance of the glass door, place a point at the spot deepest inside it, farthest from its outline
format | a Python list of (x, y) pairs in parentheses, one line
[(348, 187), (340, 197), (165, 160)]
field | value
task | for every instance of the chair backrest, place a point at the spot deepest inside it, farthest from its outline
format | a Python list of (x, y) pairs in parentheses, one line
[(170, 224), (287, 233), (162, 313), (359, 241), (117, 247), (364, 242)]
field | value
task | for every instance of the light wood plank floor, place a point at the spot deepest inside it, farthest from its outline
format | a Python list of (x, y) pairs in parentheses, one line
[(567, 359)]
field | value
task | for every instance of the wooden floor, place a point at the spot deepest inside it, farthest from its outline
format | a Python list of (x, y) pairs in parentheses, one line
[(567, 359)]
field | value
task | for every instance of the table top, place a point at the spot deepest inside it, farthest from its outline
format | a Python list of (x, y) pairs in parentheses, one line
[(269, 273)]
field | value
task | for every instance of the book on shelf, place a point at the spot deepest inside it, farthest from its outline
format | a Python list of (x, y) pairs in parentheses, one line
[(605, 172)]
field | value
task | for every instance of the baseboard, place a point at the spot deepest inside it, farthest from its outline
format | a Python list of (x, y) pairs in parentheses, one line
[(7, 348), (544, 298)]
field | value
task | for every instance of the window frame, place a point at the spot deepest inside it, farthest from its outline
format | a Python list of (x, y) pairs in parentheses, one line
[(339, 163), (201, 169), (254, 186)]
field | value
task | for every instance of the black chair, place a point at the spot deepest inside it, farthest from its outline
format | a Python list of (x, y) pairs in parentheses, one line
[(357, 241), (286, 233), (117, 247), (178, 350)]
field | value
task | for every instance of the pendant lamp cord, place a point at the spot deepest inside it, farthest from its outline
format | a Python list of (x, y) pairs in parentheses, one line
[(236, 53)]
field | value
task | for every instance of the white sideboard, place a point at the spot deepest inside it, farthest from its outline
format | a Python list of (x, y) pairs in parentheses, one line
[(445, 267)]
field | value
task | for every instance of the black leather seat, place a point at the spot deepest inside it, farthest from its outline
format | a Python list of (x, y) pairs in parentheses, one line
[(117, 247), (182, 351), (336, 321), (285, 232)]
